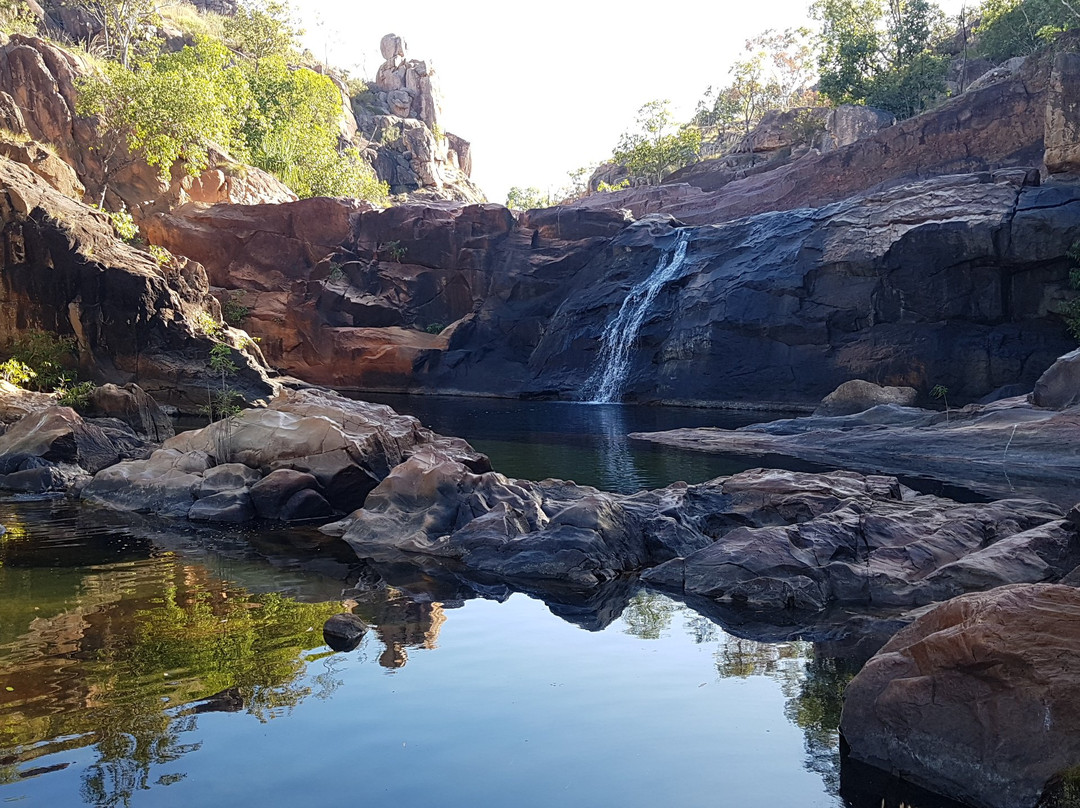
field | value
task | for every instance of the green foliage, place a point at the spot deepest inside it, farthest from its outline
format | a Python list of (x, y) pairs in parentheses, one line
[(17, 18), (1010, 28), (655, 147), (16, 372), (395, 250), (940, 391), (337, 272), (262, 28), (1071, 309), (529, 198), (436, 328), (172, 107), (233, 311), (160, 254), (74, 394), (606, 187), (881, 54), (124, 23), (47, 355), (124, 225)]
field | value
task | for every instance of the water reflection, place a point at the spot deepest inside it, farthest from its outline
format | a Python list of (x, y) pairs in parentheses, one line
[(618, 472)]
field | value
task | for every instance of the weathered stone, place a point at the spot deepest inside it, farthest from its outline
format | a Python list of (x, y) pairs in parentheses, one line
[(165, 484), (58, 435), (227, 477), (858, 395), (134, 407), (1063, 115), (343, 632), (306, 505), (274, 490), (1059, 387), (227, 506), (976, 699), (16, 403)]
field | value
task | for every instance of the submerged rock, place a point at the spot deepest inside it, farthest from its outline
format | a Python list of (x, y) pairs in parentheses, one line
[(977, 699)]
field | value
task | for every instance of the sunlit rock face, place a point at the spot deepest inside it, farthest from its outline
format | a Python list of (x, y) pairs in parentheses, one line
[(401, 120), (976, 699)]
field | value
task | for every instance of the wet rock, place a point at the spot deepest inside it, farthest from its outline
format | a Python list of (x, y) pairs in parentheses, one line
[(976, 699), (274, 490), (858, 395), (227, 506), (227, 477), (343, 632), (306, 505), (57, 435)]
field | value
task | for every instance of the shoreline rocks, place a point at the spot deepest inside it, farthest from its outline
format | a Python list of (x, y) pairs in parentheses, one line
[(976, 699)]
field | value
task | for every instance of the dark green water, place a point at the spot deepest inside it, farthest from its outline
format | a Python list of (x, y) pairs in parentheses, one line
[(148, 664)]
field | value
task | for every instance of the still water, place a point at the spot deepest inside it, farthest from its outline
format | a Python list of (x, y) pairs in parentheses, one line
[(153, 664)]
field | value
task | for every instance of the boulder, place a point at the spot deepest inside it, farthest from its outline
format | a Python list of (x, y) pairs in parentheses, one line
[(227, 477), (858, 395), (976, 699), (343, 632), (132, 405), (227, 506), (165, 484), (270, 494), (306, 505), (16, 403), (57, 435), (1059, 387)]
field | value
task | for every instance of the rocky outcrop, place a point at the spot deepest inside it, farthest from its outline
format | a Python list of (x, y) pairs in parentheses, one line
[(859, 395), (54, 449), (63, 271), (1003, 449), (976, 699), (400, 120), (305, 456), (16, 403), (1059, 387), (40, 79), (875, 547)]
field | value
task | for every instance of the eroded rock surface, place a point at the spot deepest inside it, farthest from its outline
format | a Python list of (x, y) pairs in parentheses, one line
[(306, 455), (977, 699)]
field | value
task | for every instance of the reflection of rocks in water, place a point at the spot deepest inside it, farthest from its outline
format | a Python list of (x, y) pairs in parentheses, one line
[(433, 580), (863, 786)]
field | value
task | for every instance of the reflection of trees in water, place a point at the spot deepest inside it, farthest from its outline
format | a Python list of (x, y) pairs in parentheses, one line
[(815, 708), (648, 615), (118, 675)]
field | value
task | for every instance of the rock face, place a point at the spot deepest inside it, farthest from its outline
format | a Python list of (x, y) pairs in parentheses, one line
[(306, 455), (976, 699), (39, 80), (840, 539), (1003, 449), (954, 281), (62, 270), (401, 122)]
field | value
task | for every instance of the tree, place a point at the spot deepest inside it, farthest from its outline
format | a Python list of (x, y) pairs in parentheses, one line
[(656, 148), (527, 198), (881, 55), (172, 107), (262, 28), (16, 17), (1020, 27), (122, 22)]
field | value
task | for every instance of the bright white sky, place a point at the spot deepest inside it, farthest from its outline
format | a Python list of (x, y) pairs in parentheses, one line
[(543, 88)]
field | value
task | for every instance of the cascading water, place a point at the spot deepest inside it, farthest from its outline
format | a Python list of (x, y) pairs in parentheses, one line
[(605, 384)]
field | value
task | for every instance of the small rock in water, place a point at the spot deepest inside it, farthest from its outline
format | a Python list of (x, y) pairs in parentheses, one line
[(343, 632)]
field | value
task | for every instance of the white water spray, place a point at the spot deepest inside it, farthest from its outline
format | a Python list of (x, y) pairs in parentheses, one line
[(606, 382)]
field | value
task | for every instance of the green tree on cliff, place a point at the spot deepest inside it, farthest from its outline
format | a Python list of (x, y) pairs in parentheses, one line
[(656, 146), (122, 22), (1010, 28)]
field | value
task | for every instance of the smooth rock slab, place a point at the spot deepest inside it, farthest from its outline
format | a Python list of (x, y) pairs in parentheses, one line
[(976, 700)]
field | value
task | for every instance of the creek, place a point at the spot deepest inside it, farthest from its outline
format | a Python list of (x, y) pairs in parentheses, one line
[(146, 663)]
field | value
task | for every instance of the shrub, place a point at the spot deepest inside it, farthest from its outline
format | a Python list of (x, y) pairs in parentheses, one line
[(47, 355), (15, 372), (74, 394)]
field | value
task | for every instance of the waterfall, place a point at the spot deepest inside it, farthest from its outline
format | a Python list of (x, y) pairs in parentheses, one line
[(605, 384)]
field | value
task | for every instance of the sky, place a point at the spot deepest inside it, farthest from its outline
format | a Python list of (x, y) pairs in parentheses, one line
[(540, 89)]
